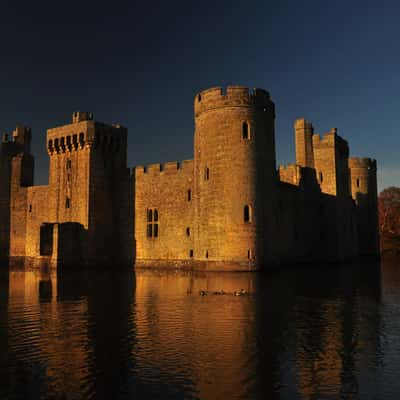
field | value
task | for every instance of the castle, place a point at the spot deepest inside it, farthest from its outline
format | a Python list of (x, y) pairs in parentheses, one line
[(227, 209)]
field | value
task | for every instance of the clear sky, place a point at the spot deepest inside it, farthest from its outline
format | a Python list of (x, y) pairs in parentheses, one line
[(140, 64)]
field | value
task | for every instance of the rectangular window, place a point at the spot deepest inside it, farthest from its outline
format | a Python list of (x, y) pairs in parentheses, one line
[(67, 202), (152, 223), (69, 164)]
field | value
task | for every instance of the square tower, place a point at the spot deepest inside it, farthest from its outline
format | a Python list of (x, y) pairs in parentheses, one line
[(88, 183)]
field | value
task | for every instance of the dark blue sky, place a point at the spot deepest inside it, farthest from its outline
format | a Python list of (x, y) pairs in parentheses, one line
[(141, 63)]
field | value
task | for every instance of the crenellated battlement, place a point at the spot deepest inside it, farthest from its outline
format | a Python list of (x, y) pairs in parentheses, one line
[(170, 167), (362, 162), (302, 123), (233, 96), (290, 173), (84, 133), (328, 139), (79, 116)]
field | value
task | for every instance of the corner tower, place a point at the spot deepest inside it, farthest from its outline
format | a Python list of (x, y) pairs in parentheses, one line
[(364, 192), (235, 176)]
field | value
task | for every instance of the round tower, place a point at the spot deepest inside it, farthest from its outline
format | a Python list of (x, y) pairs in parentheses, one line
[(364, 192), (235, 177)]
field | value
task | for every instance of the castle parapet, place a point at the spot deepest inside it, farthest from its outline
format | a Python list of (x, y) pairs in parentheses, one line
[(290, 173), (171, 167), (79, 116), (362, 162), (302, 123), (234, 96), (84, 132), (21, 136), (328, 139)]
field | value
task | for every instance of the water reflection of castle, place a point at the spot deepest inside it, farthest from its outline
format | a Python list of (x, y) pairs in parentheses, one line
[(228, 208), (104, 334)]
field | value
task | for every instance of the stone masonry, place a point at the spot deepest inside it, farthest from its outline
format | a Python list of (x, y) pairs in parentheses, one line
[(227, 209)]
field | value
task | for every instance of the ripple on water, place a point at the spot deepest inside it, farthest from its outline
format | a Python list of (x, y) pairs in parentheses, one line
[(303, 333)]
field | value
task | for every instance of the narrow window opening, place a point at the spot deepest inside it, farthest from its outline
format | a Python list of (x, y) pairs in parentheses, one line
[(155, 230), (69, 164), (149, 230), (155, 216), (358, 183), (247, 213), (206, 174), (191, 253), (189, 195), (81, 139), (67, 202), (321, 177), (30, 207), (188, 231), (245, 131), (207, 254), (75, 141), (249, 254)]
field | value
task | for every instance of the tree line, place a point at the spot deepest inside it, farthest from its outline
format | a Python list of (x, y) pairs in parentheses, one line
[(389, 218)]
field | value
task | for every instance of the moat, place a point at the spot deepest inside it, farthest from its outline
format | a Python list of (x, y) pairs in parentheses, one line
[(301, 333)]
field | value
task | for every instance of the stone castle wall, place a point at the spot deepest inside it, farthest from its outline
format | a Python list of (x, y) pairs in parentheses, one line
[(168, 190), (227, 209)]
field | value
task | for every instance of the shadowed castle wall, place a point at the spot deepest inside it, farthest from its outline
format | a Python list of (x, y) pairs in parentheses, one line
[(21, 178), (15, 170), (313, 226), (364, 193)]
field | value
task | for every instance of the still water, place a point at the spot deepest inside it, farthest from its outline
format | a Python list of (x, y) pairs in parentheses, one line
[(302, 333)]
